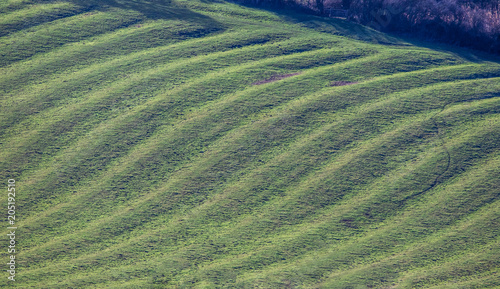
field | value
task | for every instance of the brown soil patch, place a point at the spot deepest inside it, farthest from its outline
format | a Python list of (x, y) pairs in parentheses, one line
[(341, 83), (275, 78)]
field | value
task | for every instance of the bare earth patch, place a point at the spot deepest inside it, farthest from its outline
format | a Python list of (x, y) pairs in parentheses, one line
[(341, 83), (275, 78)]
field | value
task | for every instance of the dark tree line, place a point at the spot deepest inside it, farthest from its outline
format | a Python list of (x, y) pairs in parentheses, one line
[(472, 23)]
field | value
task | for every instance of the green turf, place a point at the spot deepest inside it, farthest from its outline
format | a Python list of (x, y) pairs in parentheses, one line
[(145, 155)]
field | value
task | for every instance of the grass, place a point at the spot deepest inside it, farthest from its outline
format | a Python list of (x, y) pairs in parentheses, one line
[(145, 155)]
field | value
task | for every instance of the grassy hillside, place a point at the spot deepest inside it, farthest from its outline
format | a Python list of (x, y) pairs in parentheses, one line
[(155, 145)]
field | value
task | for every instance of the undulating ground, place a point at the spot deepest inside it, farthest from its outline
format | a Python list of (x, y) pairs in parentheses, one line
[(203, 144)]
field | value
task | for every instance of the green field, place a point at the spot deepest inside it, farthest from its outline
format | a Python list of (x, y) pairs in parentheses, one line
[(154, 145)]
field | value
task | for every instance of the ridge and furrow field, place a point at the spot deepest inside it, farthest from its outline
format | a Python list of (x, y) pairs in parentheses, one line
[(146, 156)]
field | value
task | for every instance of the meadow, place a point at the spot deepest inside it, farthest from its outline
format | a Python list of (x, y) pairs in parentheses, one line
[(205, 144)]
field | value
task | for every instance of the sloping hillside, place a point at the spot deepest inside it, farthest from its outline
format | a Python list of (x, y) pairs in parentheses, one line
[(202, 144)]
